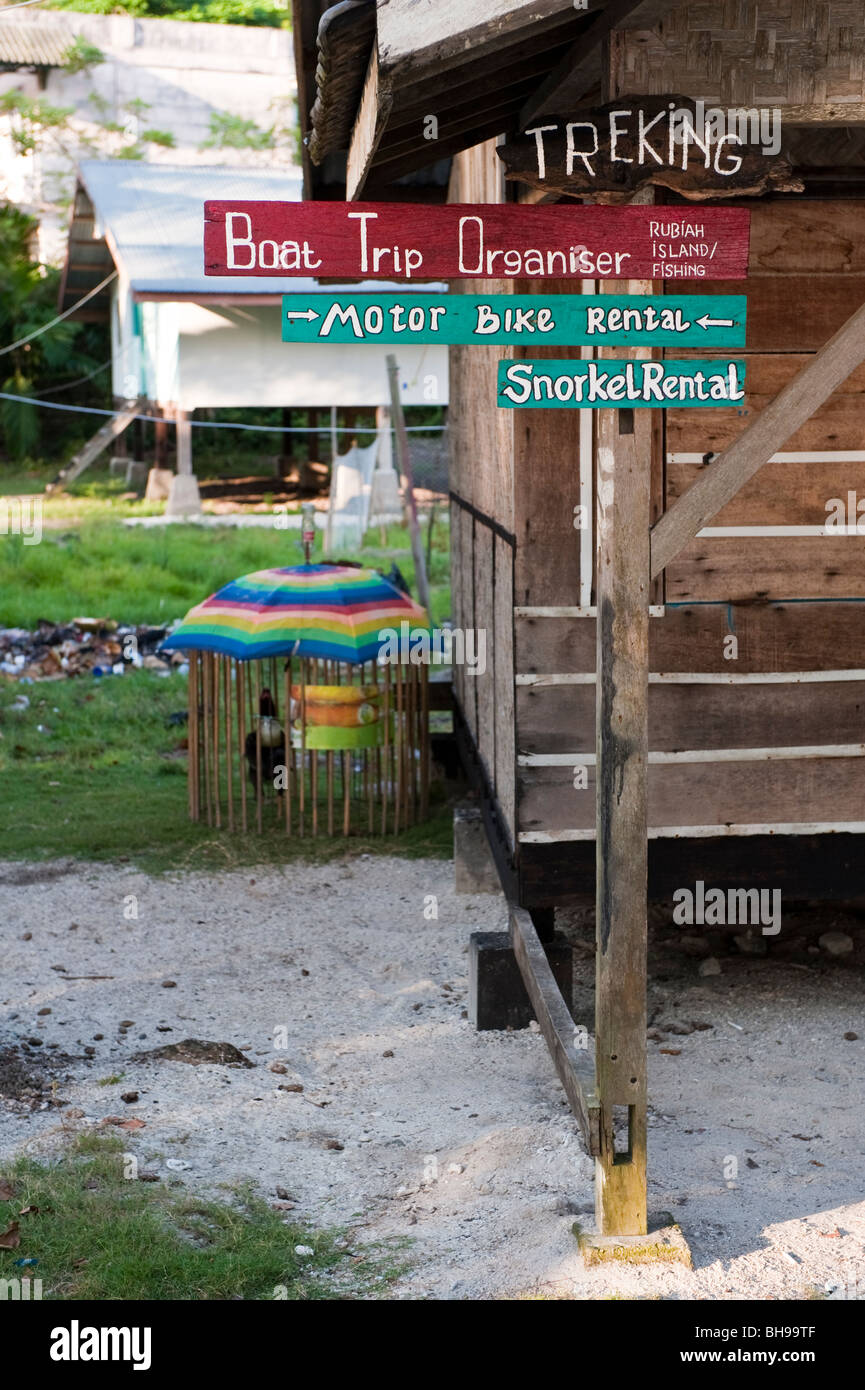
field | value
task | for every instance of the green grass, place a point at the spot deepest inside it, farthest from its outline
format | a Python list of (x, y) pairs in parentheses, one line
[(105, 779), (138, 575), (98, 1235), (105, 776)]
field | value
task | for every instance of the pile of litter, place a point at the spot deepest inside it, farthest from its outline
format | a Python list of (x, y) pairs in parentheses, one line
[(86, 646)]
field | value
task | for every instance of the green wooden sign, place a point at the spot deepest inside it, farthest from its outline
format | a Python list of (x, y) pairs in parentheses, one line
[(590, 385), (501, 320)]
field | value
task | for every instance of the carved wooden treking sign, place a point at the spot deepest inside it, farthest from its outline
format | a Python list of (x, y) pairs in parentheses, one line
[(668, 140), (382, 241)]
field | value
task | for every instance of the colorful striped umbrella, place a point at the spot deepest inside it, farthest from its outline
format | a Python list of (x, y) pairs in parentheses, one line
[(334, 612)]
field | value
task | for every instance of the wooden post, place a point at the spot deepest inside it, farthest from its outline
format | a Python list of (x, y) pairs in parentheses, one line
[(301, 793), (405, 468), (398, 741), (160, 447), (289, 755), (207, 686), (229, 747), (622, 685), (216, 669), (425, 743), (241, 737), (386, 753), (184, 442), (259, 789), (192, 735)]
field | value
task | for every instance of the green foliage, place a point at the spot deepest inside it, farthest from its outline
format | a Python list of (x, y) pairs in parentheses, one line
[(81, 56), (99, 1235), (28, 300), (31, 118), (228, 132), (159, 137), (251, 12)]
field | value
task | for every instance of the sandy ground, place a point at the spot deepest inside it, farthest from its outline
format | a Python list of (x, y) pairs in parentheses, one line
[(409, 1123)]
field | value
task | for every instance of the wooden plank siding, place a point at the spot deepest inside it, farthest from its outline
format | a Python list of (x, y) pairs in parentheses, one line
[(814, 789), (700, 716), (482, 517), (795, 304), (518, 473), (772, 637), (767, 567)]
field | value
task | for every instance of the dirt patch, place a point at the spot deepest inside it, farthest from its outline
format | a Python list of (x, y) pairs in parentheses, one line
[(23, 875), (27, 1084), (196, 1053)]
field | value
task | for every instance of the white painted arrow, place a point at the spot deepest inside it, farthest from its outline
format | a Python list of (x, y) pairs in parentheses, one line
[(706, 322), (302, 314)]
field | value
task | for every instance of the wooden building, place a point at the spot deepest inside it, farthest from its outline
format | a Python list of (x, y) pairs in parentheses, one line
[(756, 614), (789, 692)]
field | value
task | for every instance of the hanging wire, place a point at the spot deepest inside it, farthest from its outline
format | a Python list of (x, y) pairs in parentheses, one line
[(211, 424), (37, 332), (67, 385)]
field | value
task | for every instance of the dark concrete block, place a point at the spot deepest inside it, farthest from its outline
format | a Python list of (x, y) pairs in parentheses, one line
[(497, 995)]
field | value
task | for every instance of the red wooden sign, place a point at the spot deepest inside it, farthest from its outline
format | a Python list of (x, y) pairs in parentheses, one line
[(401, 241)]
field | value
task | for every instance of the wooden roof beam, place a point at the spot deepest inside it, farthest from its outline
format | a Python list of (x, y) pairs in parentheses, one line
[(426, 35), (498, 115), (579, 70), (372, 117)]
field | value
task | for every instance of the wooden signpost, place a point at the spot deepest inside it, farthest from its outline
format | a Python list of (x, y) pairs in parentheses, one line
[(639, 244), (627, 384), (500, 320), (384, 241)]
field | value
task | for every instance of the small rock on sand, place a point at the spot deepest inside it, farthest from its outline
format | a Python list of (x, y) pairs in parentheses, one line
[(836, 943)]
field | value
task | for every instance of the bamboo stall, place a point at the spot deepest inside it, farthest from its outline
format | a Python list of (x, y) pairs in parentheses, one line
[(306, 710)]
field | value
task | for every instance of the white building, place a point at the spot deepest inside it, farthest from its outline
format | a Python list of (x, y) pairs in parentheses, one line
[(158, 75), (184, 341)]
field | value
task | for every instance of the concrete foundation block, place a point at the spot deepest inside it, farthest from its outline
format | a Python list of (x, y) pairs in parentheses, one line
[(474, 867), (136, 475), (497, 995), (184, 498), (664, 1244), (159, 482), (117, 467)]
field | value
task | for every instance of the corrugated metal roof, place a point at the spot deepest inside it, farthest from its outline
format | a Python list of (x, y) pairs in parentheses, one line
[(31, 46), (154, 216)]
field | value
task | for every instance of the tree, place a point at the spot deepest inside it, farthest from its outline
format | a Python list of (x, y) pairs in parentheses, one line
[(53, 360)]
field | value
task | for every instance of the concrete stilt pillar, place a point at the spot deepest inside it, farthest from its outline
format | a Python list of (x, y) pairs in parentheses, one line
[(184, 498)]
